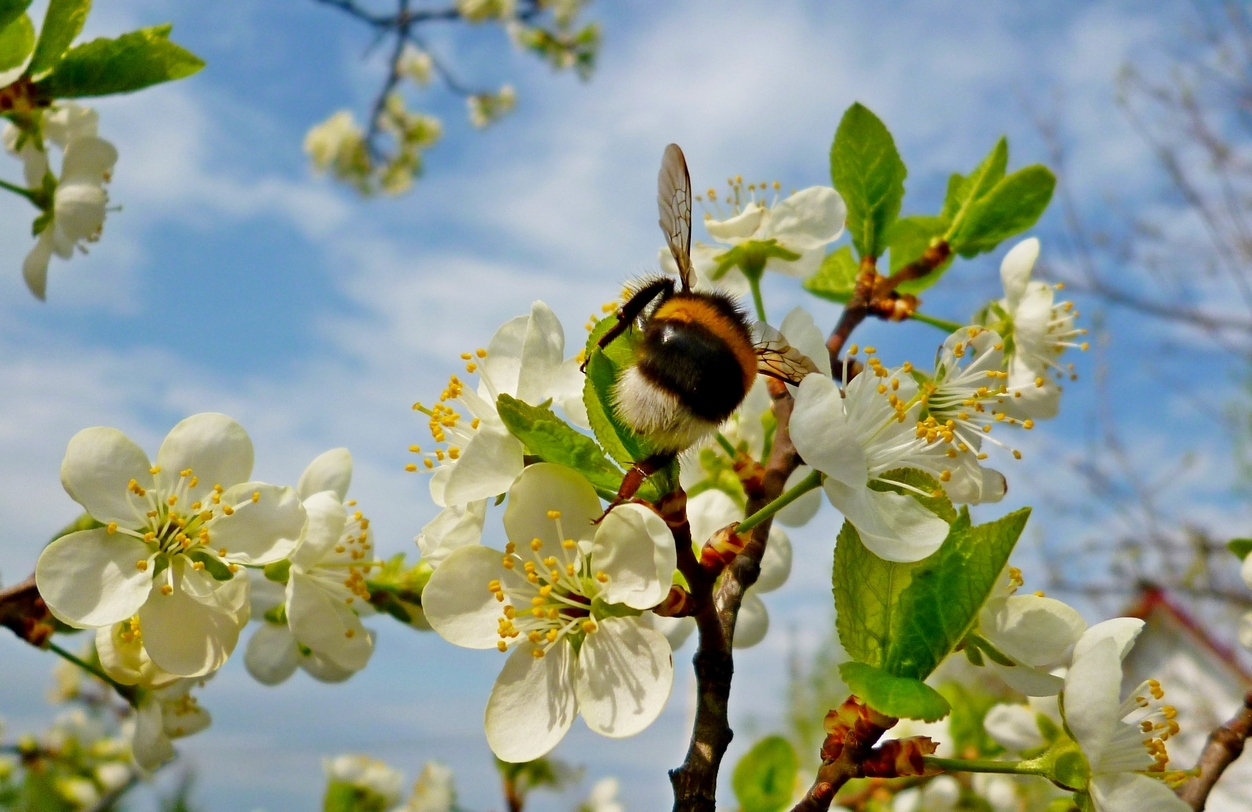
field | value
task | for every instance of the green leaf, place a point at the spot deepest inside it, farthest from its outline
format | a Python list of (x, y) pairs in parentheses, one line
[(765, 778), (902, 697), (63, 21), (83, 522), (1010, 207), (835, 278), (551, 439), (867, 171), (17, 37), (106, 66), (964, 189), (213, 565), (909, 239), (10, 10), (1240, 547), (603, 368)]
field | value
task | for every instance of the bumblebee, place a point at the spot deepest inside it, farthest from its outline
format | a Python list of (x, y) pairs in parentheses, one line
[(698, 355)]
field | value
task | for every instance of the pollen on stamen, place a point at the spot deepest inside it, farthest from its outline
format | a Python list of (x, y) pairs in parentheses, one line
[(256, 497), (167, 590), (411, 467), (536, 544), (349, 633), (111, 529), (154, 470), (228, 510), (141, 565)]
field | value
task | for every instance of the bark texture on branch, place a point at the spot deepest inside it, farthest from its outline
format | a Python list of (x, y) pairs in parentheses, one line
[(1220, 751)]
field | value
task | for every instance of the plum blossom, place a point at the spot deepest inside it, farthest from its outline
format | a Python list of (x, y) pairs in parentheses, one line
[(163, 715), (1120, 740), (1034, 632), (74, 205), (372, 784), (565, 596), (475, 457), (175, 537), (325, 591), (433, 791), (855, 438)]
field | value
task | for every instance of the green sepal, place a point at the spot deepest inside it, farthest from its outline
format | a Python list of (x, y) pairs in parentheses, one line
[(551, 439), (901, 697), (10, 10), (278, 571), (908, 240), (342, 796), (17, 38), (41, 223), (764, 779), (131, 62), (600, 608), (212, 564), (63, 22), (866, 170), (835, 278), (1240, 547), (276, 614), (750, 257)]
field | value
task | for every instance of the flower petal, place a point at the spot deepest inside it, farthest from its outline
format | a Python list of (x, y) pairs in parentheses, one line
[(503, 363), (489, 464), (802, 268), (1015, 269), (98, 466), (543, 350), (271, 656), (322, 621), (263, 529), (675, 629), (546, 487), (532, 704), (1014, 727), (193, 630), (1029, 681), (1035, 631), (1131, 792), (1121, 630), (90, 578), (624, 677), (803, 333), (329, 471), (456, 600), (126, 661), (566, 392), (451, 529), (752, 623), (35, 266), (808, 219), (87, 161), (149, 744), (775, 564), (215, 448), (1092, 702), (820, 432), (635, 548), (709, 512), (740, 227), (327, 518), (323, 669), (892, 526)]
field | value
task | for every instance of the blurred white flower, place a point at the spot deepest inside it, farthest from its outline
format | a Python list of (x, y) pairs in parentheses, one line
[(380, 782), (603, 797), (433, 791), (164, 715)]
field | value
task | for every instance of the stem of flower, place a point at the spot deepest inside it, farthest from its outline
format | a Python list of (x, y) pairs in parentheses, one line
[(813, 480), (942, 324), (127, 692), (754, 281), (725, 444), (18, 190), (960, 765)]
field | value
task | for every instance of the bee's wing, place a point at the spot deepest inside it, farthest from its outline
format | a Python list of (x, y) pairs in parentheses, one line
[(673, 199), (776, 358)]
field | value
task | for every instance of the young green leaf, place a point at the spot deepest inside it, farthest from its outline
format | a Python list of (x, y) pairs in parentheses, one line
[(1010, 207), (10, 10), (867, 171), (133, 61), (835, 278), (17, 38), (551, 439), (765, 778), (908, 240), (63, 21), (901, 697), (603, 368), (1240, 547), (962, 189)]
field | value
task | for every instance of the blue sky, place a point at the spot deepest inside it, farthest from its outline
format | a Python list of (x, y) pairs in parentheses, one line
[(234, 280)]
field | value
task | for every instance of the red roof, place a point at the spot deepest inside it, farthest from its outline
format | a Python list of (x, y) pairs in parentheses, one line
[(1155, 599)]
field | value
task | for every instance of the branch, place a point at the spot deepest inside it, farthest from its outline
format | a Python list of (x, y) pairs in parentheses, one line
[(23, 612), (1222, 748)]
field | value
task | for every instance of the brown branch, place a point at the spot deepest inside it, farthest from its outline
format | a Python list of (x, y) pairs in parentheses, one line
[(23, 612), (1222, 748), (852, 731)]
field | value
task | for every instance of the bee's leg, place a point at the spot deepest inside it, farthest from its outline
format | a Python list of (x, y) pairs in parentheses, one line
[(634, 479), (632, 309)]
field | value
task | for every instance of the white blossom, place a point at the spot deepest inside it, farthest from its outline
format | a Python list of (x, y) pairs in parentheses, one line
[(174, 539), (433, 791), (562, 579), (603, 797), (379, 780), (162, 716)]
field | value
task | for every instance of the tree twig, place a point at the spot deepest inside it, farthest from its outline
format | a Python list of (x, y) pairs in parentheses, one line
[(23, 612), (1222, 748)]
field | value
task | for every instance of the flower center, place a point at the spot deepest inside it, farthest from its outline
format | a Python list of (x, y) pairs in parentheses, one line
[(448, 428), (551, 595)]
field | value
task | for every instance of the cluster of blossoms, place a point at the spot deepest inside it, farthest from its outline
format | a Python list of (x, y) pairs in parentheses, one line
[(185, 551), (72, 205), (81, 759)]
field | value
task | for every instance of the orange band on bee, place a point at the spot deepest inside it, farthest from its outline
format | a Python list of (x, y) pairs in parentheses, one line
[(694, 310)]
